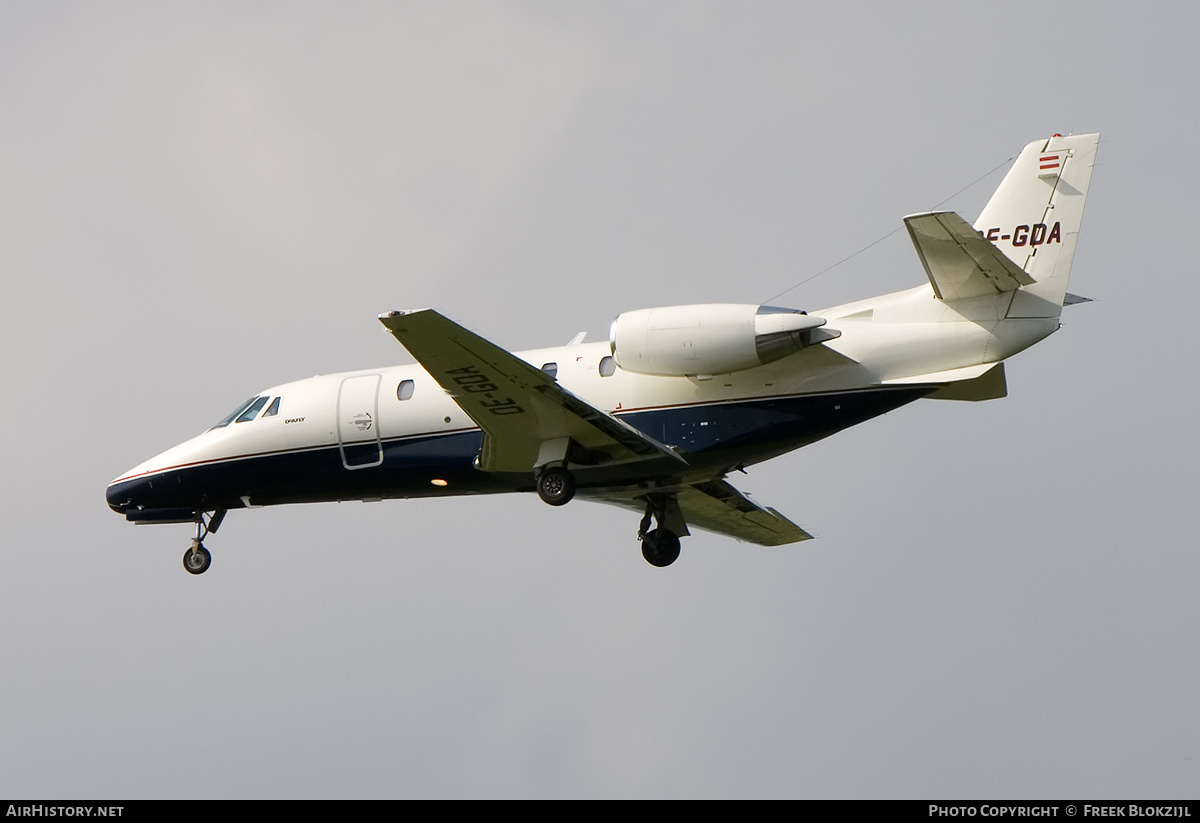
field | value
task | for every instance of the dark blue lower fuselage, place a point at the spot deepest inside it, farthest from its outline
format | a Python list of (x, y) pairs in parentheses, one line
[(713, 438)]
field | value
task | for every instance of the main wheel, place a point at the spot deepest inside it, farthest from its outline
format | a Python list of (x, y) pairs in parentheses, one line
[(556, 485), (660, 547), (196, 560)]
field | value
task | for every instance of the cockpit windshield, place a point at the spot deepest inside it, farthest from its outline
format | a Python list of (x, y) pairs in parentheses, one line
[(235, 413), (249, 410), (252, 410)]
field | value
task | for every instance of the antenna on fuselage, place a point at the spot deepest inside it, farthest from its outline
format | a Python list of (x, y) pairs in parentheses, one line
[(871, 245)]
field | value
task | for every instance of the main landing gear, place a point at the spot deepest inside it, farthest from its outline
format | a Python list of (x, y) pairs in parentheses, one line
[(197, 559), (660, 546), (555, 485)]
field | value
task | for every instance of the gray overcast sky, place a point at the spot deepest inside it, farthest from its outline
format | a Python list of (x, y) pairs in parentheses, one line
[(201, 200)]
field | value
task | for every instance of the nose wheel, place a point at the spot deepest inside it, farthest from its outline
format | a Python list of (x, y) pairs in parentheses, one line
[(196, 560)]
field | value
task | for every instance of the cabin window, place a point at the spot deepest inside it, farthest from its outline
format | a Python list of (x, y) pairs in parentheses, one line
[(272, 409), (608, 366), (550, 369), (253, 409), (405, 390)]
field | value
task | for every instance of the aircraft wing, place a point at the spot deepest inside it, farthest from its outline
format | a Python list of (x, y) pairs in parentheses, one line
[(716, 506), (524, 413), (959, 261)]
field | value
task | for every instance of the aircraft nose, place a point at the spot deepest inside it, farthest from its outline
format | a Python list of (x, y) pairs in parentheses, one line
[(118, 496), (137, 499), (130, 492)]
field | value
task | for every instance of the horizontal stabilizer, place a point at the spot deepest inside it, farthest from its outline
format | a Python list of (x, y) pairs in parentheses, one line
[(1075, 299), (959, 261)]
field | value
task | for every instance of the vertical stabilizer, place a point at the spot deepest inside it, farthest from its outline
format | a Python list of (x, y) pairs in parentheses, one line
[(1034, 218)]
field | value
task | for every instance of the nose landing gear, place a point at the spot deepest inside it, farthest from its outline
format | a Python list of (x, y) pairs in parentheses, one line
[(197, 559)]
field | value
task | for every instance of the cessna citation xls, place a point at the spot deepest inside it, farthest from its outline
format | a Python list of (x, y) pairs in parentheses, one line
[(656, 417)]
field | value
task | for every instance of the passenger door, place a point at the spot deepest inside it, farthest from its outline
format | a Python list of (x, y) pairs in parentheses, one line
[(358, 421)]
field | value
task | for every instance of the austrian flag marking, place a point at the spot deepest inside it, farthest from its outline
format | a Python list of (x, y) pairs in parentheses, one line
[(1050, 164)]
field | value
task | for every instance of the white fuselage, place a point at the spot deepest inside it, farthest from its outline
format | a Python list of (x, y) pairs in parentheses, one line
[(656, 418), (890, 339)]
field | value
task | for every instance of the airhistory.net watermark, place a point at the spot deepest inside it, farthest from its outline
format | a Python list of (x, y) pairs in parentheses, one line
[(44, 810)]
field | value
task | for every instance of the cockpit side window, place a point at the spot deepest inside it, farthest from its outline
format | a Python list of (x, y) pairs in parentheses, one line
[(272, 409), (253, 409)]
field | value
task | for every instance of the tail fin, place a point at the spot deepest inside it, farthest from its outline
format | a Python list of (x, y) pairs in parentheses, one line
[(1035, 214)]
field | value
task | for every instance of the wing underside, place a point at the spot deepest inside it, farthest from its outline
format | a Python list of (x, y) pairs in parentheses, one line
[(524, 412), (715, 506)]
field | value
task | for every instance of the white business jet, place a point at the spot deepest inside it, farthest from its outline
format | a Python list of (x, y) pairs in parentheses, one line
[(655, 418)]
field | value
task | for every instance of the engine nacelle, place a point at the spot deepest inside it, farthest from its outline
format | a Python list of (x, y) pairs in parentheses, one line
[(707, 339)]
